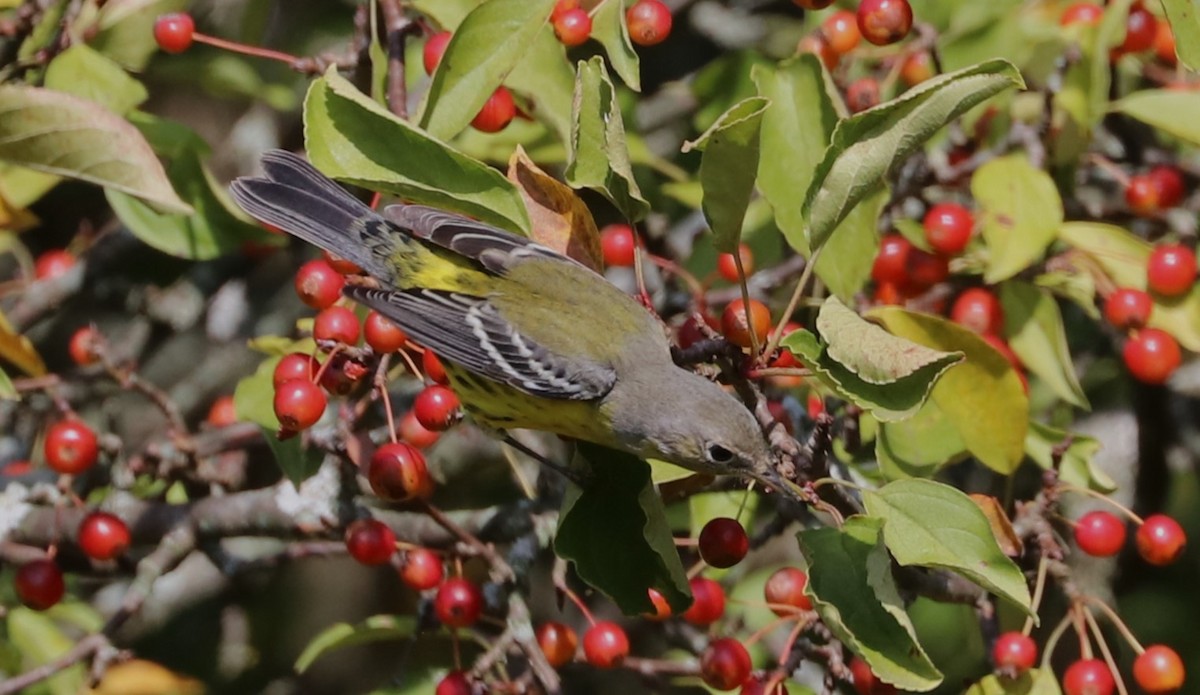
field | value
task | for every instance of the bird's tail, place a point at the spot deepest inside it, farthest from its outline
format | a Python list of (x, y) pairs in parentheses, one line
[(302, 201)]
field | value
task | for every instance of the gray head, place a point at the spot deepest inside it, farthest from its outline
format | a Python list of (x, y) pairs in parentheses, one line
[(685, 419)]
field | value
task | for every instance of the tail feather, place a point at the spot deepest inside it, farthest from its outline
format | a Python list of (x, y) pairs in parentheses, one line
[(303, 202)]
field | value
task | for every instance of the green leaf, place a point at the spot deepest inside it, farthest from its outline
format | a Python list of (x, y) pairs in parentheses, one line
[(982, 396), (8, 392), (253, 400), (62, 134), (376, 628), (1039, 681), (599, 158), (86, 73), (40, 641), (126, 30), (1019, 213), (796, 128), (353, 139), (484, 49), (850, 579), (1185, 25), (1123, 258), (211, 230), (1099, 61), (919, 446), (611, 30), (889, 376), (867, 145), (930, 524), (616, 533), (544, 77), (1155, 107), (1077, 466), (1035, 332), (728, 167), (1072, 284), (845, 264)]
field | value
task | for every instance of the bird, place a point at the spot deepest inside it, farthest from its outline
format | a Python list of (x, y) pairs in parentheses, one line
[(531, 338)]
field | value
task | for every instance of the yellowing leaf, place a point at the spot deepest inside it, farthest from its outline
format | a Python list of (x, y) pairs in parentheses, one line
[(18, 350)]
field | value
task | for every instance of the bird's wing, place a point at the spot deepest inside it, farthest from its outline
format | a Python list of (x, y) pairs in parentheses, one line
[(471, 332), (495, 249)]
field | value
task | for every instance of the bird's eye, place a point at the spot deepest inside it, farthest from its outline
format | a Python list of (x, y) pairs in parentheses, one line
[(719, 454)]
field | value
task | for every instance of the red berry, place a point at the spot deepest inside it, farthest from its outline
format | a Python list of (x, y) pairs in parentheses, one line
[(434, 370), (784, 591), (916, 68), (71, 447), (422, 569), (562, 7), (727, 264), (617, 245), (1151, 356), (925, 269), (397, 472), (1088, 677), (1158, 670), (1015, 653), (103, 536), (573, 27), (948, 228), (1164, 43), (818, 46), (413, 432), (739, 321), (435, 47), (340, 264), (884, 21), (649, 22), (813, 4), (605, 645), (53, 264), (1160, 540), (458, 602), (862, 94), (891, 263), (318, 285), (1082, 13), (1143, 195), (337, 324), (497, 112), (723, 542), (39, 584), (370, 541), (342, 374), (299, 403), (1171, 269), (223, 412), (1128, 308), (558, 643), (296, 365), (82, 347), (1140, 28), (840, 31), (1168, 181), (725, 664), (757, 685), (454, 683), (979, 310), (382, 334), (174, 32), (436, 408), (1100, 534), (865, 680), (662, 609), (708, 602)]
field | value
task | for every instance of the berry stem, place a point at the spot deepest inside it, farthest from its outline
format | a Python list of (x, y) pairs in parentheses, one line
[(1108, 657), (244, 49), (1067, 487), (797, 295), (381, 388), (737, 259), (1052, 640), (587, 615), (1039, 587), (1117, 623)]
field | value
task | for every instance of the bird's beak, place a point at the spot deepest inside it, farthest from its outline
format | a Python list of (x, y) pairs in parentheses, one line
[(768, 475)]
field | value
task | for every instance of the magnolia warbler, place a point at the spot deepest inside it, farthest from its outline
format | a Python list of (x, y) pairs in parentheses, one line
[(532, 339)]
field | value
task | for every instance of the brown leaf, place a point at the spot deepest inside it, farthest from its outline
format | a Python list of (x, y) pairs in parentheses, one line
[(1002, 528), (18, 350), (558, 217)]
